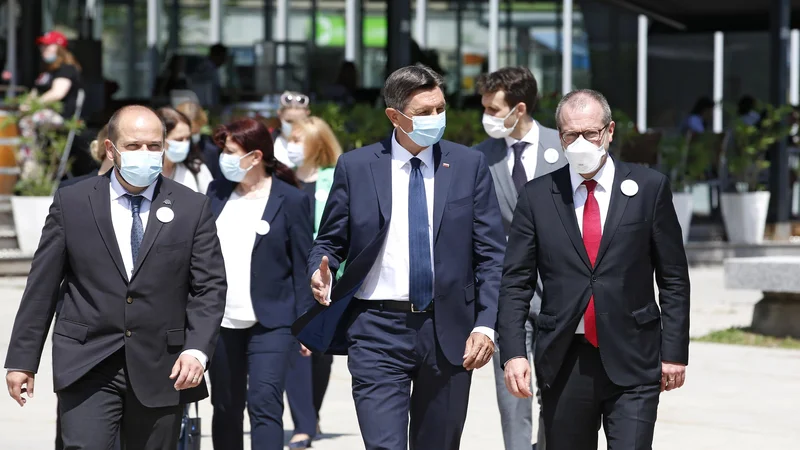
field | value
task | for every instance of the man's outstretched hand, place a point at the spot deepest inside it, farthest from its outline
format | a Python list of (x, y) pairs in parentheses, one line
[(321, 282)]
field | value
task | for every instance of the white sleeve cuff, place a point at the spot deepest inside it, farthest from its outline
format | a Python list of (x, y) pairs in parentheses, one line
[(490, 333), (197, 354)]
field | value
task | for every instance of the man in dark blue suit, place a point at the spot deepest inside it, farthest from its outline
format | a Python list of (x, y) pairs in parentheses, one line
[(420, 227)]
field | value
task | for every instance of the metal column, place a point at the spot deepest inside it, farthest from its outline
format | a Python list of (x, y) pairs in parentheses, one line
[(174, 26), (780, 198), (641, 76), (794, 68), (281, 32), (566, 39), (399, 42), (719, 79), (421, 23), (267, 13), (352, 23), (215, 22), (152, 41), (494, 35), (30, 28), (11, 47)]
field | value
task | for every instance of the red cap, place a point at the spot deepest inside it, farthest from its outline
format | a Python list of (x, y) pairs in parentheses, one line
[(52, 37)]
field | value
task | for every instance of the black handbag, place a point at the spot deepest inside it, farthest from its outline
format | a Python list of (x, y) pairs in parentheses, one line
[(190, 429)]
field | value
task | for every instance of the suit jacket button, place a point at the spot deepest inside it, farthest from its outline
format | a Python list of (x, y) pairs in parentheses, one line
[(128, 333), (594, 278), (130, 300)]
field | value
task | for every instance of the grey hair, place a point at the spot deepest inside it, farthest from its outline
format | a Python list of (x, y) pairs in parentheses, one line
[(405, 81), (580, 98)]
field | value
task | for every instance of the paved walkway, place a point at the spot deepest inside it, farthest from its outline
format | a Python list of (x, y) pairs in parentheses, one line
[(735, 397)]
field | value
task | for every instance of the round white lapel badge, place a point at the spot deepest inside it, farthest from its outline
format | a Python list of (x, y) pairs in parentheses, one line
[(629, 188), (165, 215), (321, 195), (551, 155), (262, 227)]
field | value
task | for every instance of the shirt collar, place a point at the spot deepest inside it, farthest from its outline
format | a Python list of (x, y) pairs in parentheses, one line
[(604, 176), (531, 137), (403, 156), (119, 191)]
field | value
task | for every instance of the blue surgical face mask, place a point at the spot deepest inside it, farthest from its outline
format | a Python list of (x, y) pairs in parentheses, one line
[(286, 129), (177, 151), (428, 130), (230, 167), (50, 59), (140, 168)]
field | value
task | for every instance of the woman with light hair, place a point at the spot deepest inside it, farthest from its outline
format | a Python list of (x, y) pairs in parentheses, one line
[(205, 143), (313, 150)]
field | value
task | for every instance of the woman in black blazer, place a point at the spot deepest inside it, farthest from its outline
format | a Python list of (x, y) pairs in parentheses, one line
[(265, 232)]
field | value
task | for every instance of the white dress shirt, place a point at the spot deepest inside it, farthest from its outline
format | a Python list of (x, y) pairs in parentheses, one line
[(531, 153), (389, 277), (602, 193), (122, 220), (236, 229)]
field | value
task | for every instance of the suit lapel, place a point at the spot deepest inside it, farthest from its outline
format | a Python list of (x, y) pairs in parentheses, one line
[(220, 198), (273, 205), (542, 165), (501, 173), (616, 208), (565, 205), (100, 200), (382, 178), (441, 185), (154, 225)]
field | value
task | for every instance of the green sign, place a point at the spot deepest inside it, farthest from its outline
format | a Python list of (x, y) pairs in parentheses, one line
[(331, 31)]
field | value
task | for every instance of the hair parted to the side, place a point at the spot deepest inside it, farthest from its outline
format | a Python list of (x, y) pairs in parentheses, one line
[(403, 82), (251, 135), (518, 84), (579, 99)]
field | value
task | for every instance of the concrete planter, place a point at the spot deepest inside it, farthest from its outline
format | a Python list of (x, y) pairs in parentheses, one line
[(29, 217), (682, 201), (745, 216)]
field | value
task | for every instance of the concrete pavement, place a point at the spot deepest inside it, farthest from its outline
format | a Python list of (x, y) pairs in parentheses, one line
[(735, 397)]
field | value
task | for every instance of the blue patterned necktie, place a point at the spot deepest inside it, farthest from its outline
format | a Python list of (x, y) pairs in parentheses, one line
[(137, 230), (419, 251)]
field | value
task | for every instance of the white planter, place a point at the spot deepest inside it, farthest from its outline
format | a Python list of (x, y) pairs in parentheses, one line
[(29, 217), (682, 201), (745, 216)]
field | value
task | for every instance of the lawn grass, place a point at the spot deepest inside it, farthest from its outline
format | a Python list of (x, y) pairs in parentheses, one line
[(745, 336)]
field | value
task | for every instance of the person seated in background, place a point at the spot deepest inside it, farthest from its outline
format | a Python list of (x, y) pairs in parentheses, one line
[(747, 111), (183, 162), (294, 106), (203, 141)]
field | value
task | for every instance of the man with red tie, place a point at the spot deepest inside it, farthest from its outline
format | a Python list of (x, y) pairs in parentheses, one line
[(596, 231)]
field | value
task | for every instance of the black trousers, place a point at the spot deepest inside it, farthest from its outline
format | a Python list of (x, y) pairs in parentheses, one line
[(306, 384), (101, 409), (582, 398)]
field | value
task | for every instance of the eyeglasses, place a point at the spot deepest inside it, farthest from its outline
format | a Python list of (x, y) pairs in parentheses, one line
[(593, 136), (289, 99)]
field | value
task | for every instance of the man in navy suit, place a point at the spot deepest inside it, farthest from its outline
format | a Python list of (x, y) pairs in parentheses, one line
[(418, 222)]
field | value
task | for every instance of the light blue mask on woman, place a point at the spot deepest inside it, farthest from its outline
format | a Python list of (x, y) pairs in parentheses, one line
[(428, 130), (230, 167), (177, 151), (140, 168)]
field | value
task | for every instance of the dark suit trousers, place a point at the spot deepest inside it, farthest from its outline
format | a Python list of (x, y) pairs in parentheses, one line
[(101, 405), (249, 368), (388, 352), (582, 397), (306, 384)]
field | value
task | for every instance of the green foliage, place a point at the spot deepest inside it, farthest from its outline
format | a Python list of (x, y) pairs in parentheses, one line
[(685, 161), (748, 159), (39, 177)]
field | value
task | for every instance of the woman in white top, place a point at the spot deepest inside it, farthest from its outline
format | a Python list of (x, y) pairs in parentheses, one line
[(265, 231), (183, 161)]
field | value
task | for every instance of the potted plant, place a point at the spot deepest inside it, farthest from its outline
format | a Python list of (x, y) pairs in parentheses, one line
[(684, 160), (39, 157), (744, 211)]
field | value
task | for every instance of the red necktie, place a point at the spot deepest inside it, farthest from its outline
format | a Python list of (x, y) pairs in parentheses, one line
[(592, 234)]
